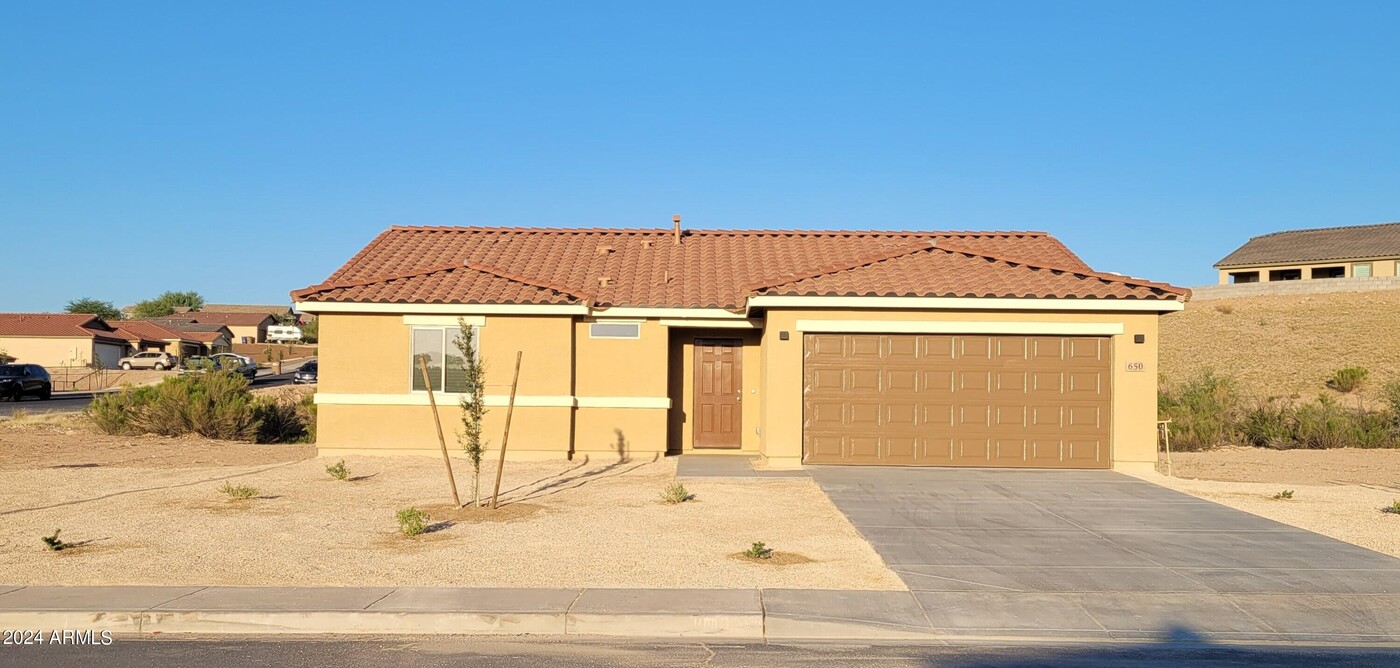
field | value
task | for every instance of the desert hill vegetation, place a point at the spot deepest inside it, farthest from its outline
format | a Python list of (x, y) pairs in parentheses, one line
[(1316, 371), (1287, 346)]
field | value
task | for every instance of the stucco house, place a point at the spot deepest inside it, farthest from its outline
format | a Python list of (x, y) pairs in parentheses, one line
[(796, 347), (63, 340), (146, 335), (210, 337), (1358, 251), (243, 327)]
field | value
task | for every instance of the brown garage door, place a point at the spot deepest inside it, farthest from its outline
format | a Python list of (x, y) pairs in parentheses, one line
[(954, 400)]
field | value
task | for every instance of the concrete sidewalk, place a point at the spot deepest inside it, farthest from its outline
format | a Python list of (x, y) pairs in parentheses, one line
[(751, 614)]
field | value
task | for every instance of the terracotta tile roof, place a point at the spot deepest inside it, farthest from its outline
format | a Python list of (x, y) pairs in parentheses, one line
[(202, 337), (948, 271), (273, 310), (244, 319), (193, 327), (145, 330), (57, 325), (1327, 243), (644, 267)]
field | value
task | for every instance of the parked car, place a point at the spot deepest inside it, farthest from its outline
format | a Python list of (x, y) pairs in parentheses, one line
[(220, 362), (306, 374), (18, 381), (150, 359), (237, 364)]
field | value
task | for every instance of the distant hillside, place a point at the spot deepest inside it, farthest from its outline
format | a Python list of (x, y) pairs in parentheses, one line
[(1286, 345)]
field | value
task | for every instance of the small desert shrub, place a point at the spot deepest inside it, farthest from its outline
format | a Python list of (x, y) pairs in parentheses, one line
[(1284, 495), (280, 419), (1347, 379), (1203, 411), (676, 493), (54, 543), (1393, 508), (1225, 307), (759, 551), (412, 521), (113, 413), (1268, 423), (238, 492), (338, 470), (1390, 392)]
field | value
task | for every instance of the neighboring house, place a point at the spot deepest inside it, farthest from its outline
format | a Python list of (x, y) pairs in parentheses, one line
[(282, 314), (1360, 251), (147, 335), (900, 348), (245, 327), (210, 337), (62, 339)]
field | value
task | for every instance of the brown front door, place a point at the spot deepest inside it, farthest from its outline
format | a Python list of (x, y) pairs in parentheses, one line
[(718, 391), (964, 400)]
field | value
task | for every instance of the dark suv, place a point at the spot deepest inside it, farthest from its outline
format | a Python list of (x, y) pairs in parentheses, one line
[(20, 380)]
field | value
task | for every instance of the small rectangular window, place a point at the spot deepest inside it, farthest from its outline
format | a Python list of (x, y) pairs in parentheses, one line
[(615, 330), (1361, 270), (446, 364)]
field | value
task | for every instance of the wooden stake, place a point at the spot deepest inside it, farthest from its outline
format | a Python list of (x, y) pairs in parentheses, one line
[(510, 408), (428, 383)]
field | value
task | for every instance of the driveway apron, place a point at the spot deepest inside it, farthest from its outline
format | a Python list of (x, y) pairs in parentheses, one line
[(1101, 554)]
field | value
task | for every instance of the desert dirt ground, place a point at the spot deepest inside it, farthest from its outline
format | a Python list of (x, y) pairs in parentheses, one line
[(1286, 345), (1337, 493), (149, 511)]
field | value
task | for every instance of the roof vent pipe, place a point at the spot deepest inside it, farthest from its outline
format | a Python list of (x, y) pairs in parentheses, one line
[(676, 229)]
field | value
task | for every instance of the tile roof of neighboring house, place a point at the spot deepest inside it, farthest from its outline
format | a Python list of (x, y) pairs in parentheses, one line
[(1327, 243), (245, 319), (709, 268), (187, 328), (57, 325), (273, 310), (145, 330), (203, 337)]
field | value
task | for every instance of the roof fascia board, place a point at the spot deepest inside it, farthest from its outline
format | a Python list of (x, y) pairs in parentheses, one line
[(1295, 263), (662, 312), (442, 309), (967, 303), (750, 323)]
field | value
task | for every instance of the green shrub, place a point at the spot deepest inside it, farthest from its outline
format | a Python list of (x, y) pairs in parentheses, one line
[(412, 521), (54, 543), (1347, 379), (338, 470), (1390, 392), (1268, 423), (676, 493), (1284, 495), (759, 551), (1203, 411), (1393, 508), (213, 405), (280, 419), (238, 492)]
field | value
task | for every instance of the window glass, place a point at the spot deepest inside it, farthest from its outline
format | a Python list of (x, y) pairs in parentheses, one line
[(614, 330), (427, 342), (456, 372), (1361, 270)]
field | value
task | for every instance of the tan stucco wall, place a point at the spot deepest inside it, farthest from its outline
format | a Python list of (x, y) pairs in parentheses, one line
[(1379, 267), (257, 334), (47, 351), (630, 368), (683, 387), (1134, 415)]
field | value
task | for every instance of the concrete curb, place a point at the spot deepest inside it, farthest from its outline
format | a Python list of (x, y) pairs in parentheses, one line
[(777, 615)]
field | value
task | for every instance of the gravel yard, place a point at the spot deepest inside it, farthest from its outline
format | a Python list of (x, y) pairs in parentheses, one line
[(149, 511), (1337, 493)]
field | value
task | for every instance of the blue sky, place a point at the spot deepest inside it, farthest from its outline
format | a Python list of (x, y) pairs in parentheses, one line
[(243, 150)]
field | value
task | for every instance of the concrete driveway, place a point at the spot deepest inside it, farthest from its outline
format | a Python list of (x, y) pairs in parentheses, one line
[(1098, 554)]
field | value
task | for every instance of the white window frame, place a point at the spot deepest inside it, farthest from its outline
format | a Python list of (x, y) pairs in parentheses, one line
[(636, 323), (416, 374)]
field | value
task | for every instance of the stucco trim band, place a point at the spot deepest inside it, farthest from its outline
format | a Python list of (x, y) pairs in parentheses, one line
[(444, 320), (968, 303), (962, 327), (452, 398)]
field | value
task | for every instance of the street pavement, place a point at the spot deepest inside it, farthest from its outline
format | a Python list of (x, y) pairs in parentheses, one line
[(134, 652)]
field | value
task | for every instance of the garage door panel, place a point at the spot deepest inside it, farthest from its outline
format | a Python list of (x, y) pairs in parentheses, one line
[(864, 380), (955, 400), (825, 348)]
